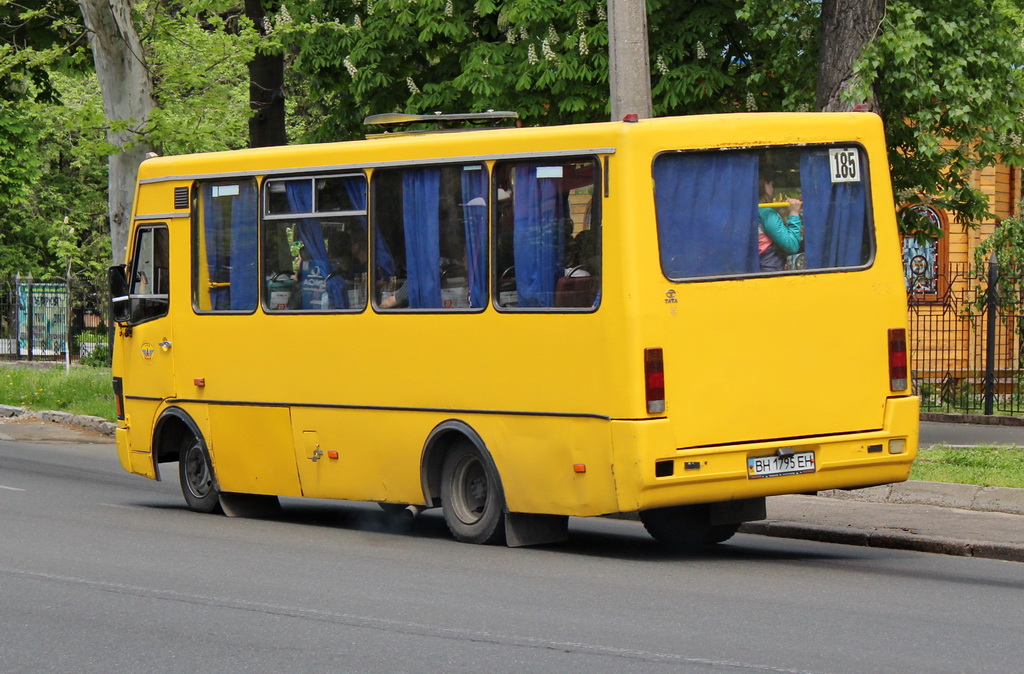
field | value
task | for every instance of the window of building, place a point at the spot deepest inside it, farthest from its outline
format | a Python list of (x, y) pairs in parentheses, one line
[(924, 257), (430, 237), (314, 243), (727, 213), (547, 234), (225, 277)]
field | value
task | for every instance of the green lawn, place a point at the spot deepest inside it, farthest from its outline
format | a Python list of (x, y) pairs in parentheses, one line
[(984, 466), (83, 390)]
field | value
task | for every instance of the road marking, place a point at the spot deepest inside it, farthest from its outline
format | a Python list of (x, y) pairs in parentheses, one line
[(10, 488)]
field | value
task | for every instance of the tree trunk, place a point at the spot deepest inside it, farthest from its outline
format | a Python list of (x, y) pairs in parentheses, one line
[(127, 101), (847, 26), (266, 89)]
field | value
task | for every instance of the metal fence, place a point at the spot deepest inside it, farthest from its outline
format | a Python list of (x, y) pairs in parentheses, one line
[(54, 319), (965, 344)]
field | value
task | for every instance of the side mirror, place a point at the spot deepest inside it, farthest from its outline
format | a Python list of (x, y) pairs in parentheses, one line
[(120, 302)]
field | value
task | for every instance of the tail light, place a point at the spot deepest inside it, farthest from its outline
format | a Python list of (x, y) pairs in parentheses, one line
[(654, 380), (119, 398), (898, 359)]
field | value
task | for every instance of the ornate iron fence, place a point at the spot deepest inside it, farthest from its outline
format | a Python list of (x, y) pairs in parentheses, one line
[(54, 319), (965, 345)]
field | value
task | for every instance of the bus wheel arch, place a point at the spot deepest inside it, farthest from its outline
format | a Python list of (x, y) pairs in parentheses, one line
[(177, 438), (459, 473)]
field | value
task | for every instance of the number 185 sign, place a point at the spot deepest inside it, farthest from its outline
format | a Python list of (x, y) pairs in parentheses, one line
[(845, 164)]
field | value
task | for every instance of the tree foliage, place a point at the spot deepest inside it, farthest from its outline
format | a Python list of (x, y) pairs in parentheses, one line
[(949, 75), (946, 76)]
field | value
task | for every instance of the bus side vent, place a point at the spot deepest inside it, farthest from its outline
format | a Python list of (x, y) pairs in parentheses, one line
[(180, 197), (897, 359)]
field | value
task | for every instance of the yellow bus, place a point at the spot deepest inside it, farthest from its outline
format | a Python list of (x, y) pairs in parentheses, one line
[(519, 325)]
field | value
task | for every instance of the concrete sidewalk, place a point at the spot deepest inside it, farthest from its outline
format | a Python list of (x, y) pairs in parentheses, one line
[(952, 519)]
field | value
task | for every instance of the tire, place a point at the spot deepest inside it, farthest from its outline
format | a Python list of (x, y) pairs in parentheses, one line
[(683, 528), (195, 471), (472, 499), (720, 533)]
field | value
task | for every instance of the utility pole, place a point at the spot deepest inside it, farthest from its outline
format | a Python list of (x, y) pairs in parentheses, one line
[(629, 69)]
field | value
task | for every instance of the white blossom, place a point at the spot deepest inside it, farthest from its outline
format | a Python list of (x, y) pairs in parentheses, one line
[(284, 16), (701, 51), (352, 70), (751, 102), (552, 33), (358, 22), (584, 47), (659, 63), (549, 53), (413, 89), (268, 27), (601, 15), (511, 37), (531, 55), (449, 9)]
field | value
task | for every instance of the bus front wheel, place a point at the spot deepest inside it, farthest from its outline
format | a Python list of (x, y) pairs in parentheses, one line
[(472, 499), (196, 474)]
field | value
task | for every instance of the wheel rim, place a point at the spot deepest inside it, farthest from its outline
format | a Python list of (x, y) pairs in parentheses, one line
[(469, 490), (197, 472)]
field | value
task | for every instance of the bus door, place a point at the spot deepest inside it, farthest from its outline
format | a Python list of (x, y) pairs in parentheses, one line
[(146, 357)]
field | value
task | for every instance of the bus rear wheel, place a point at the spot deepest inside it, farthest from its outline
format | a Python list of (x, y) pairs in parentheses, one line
[(472, 499), (195, 471), (685, 528)]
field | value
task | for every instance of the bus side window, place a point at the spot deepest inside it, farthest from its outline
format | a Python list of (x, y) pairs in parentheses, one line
[(430, 237), (224, 247), (547, 234), (314, 243)]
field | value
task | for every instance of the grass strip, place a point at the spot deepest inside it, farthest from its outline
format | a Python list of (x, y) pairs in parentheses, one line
[(987, 466), (82, 390)]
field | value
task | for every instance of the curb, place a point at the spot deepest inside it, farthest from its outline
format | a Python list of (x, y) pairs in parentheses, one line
[(889, 540), (947, 495), (97, 424), (980, 419)]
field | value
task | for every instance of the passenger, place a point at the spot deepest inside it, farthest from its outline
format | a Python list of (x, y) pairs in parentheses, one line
[(777, 238)]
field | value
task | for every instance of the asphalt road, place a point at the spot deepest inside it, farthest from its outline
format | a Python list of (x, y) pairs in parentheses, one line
[(103, 571)]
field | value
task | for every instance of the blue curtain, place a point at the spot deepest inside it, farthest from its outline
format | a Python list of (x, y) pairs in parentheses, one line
[(316, 266), (420, 218), (834, 215), (217, 265), (356, 190), (244, 276), (474, 213), (538, 243), (706, 206)]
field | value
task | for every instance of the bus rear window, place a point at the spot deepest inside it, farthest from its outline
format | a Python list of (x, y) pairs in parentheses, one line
[(777, 210)]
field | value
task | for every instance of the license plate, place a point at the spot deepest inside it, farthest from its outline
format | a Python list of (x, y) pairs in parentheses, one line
[(776, 466)]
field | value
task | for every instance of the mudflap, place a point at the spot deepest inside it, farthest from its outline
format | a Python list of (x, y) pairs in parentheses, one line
[(523, 529), (737, 512)]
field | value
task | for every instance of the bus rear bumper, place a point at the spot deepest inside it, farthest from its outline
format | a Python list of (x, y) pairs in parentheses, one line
[(668, 477)]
